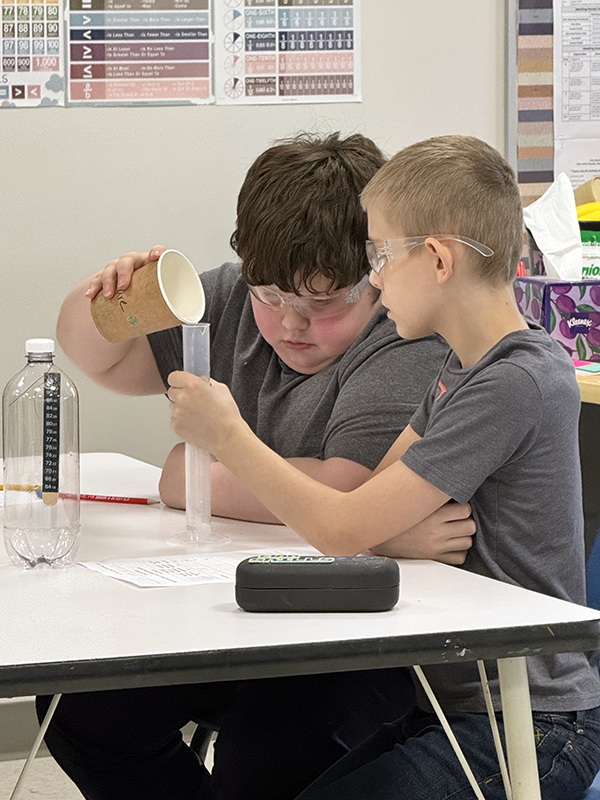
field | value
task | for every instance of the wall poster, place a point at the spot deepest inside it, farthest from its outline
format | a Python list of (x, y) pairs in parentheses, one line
[(139, 51), (282, 51), (156, 52), (32, 53)]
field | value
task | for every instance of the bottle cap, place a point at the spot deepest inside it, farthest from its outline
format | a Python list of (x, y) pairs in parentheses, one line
[(39, 346)]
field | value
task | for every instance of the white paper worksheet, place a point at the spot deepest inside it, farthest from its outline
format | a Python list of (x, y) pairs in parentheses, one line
[(184, 570), (577, 93)]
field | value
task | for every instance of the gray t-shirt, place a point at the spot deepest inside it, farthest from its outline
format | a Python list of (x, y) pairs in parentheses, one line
[(503, 436), (354, 408)]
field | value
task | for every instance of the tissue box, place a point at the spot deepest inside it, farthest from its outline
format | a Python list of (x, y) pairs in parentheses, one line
[(569, 311), (590, 243)]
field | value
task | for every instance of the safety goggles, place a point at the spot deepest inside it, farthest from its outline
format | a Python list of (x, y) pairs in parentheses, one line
[(312, 306), (379, 253)]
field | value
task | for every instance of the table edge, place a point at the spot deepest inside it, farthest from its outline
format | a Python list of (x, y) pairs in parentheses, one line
[(277, 660)]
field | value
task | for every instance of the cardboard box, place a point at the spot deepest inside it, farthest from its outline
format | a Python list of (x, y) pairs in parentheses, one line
[(570, 312), (590, 243)]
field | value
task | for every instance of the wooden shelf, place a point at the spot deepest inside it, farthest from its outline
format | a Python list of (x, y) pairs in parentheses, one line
[(589, 384)]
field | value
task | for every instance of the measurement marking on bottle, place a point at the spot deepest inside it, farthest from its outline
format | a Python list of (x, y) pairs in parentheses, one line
[(50, 465)]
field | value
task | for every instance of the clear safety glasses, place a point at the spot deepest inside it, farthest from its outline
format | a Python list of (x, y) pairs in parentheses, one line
[(319, 306), (379, 253)]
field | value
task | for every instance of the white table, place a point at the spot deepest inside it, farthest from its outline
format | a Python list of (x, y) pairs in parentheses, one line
[(75, 630)]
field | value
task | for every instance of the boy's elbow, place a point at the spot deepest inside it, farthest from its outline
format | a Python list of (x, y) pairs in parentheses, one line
[(339, 550), (170, 494), (171, 486), (336, 539)]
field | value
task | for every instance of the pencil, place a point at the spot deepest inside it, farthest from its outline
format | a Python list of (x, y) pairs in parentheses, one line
[(142, 501), (21, 487)]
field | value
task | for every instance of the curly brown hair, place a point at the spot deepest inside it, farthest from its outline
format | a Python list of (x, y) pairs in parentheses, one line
[(299, 213)]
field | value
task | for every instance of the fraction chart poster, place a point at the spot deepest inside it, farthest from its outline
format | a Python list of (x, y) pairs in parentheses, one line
[(31, 45), (277, 51), (139, 52)]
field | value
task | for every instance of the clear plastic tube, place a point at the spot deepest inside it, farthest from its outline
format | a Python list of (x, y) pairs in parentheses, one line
[(196, 359), (197, 493)]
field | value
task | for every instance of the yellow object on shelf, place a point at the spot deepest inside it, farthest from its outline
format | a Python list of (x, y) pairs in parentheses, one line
[(588, 212)]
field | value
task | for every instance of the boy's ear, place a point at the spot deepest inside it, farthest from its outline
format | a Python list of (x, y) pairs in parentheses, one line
[(444, 259)]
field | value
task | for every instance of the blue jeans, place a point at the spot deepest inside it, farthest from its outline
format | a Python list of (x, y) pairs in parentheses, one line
[(412, 759)]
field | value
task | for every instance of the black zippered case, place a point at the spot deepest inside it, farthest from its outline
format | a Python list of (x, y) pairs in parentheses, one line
[(317, 583)]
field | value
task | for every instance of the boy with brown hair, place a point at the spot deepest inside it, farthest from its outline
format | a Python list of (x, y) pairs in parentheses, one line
[(497, 429)]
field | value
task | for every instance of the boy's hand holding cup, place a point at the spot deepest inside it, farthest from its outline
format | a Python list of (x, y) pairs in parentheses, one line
[(141, 293)]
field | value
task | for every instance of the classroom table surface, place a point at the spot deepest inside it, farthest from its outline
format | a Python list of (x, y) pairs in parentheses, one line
[(74, 629)]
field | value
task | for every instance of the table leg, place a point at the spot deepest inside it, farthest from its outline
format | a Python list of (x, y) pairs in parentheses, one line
[(518, 728)]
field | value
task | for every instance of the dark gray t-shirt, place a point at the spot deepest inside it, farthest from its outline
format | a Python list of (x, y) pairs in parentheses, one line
[(503, 436), (354, 408)]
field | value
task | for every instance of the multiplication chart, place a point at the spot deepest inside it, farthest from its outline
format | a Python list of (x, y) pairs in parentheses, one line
[(31, 45), (277, 51), (139, 51)]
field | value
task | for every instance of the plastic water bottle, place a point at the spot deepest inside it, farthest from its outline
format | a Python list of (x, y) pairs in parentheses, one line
[(40, 443)]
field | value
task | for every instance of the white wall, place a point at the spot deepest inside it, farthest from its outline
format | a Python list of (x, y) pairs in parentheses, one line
[(79, 186)]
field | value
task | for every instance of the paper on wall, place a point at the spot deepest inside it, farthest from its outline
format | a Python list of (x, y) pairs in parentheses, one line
[(289, 51), (576, 117)]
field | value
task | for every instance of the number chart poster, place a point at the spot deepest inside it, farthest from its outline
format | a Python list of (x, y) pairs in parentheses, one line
[(31, 45), (277, 51), (139, 52)]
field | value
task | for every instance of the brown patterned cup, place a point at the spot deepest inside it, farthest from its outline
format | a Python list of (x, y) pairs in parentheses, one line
[(161, 295)]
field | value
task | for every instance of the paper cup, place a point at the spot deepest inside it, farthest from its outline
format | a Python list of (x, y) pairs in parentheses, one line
[(588, 192), (161, 295)]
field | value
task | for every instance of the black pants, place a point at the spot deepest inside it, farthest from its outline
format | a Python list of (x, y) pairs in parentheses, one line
[(275, 736)]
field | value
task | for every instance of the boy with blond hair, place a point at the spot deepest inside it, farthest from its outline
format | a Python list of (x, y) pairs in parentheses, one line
[(498, 429)]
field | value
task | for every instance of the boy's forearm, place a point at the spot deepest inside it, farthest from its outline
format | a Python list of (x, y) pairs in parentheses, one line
[(79, 338), (278, 485), (126, 367), (231, 497), (336, 523)]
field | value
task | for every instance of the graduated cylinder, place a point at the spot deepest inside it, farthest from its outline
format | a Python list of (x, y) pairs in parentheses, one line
[(196, 359)]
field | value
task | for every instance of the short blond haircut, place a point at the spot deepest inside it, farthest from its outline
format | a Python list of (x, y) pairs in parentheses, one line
[(454, 184)]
